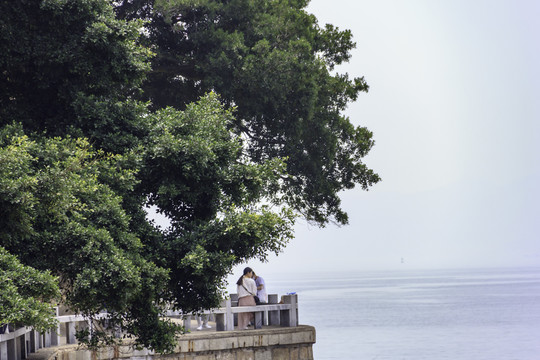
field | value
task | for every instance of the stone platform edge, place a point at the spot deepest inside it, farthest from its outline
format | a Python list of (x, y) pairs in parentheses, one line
[(269, 343)]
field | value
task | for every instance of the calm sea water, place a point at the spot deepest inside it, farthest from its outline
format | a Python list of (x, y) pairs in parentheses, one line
[(420, 315)]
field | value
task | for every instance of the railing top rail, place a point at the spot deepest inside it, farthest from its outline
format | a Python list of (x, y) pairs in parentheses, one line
[(239, 309), (11, 335), (236, 309)]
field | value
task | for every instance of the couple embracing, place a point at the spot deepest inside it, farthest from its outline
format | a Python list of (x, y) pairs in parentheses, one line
[(247, 290)]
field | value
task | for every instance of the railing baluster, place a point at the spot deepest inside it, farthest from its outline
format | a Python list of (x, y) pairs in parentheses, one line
[(3, 350), (229, 316)]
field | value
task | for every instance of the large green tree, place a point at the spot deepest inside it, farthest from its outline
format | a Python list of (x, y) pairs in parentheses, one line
[(71, 71), (274, 63), (101, 118)]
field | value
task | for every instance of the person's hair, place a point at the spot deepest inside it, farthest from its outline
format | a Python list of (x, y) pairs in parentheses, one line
[(246, 270)]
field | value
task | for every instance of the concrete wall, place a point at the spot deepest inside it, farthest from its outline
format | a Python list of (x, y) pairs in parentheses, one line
[(291, 343)]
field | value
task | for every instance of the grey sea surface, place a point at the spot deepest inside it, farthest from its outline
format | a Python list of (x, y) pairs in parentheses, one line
[(476, 314)]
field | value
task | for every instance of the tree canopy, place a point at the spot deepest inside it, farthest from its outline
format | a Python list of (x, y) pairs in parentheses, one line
[(224, 116), (273, 62)]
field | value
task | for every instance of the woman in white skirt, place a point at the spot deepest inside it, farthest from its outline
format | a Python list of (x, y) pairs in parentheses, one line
[(246, 289)]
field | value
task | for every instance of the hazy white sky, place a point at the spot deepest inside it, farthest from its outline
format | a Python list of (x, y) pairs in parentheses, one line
[(454, 108)]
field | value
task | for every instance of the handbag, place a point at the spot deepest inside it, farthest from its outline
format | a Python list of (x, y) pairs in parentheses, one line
[(257, 300)]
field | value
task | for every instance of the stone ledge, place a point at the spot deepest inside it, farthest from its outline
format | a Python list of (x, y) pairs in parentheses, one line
[(274, 343), (227, 340)]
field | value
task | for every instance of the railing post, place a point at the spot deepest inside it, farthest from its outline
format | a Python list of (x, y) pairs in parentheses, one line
[(53, 339), (229, 316), (17, 348), (273, 315), (289, 317), (220, 322), (70, 332), (4, 344), (294, 305), (234, 299), (37, 339), (187, 323), (47, 339), (234, 302), (258, 319), (34, 341), (3, 350), (12, 349), (221, 317), (23, 345)]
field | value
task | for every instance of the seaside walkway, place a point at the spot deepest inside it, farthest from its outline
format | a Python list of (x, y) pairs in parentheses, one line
[(274, 328)]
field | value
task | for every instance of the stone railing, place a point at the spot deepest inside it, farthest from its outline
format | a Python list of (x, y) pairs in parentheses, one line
[(284, 313), (17, 344)]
